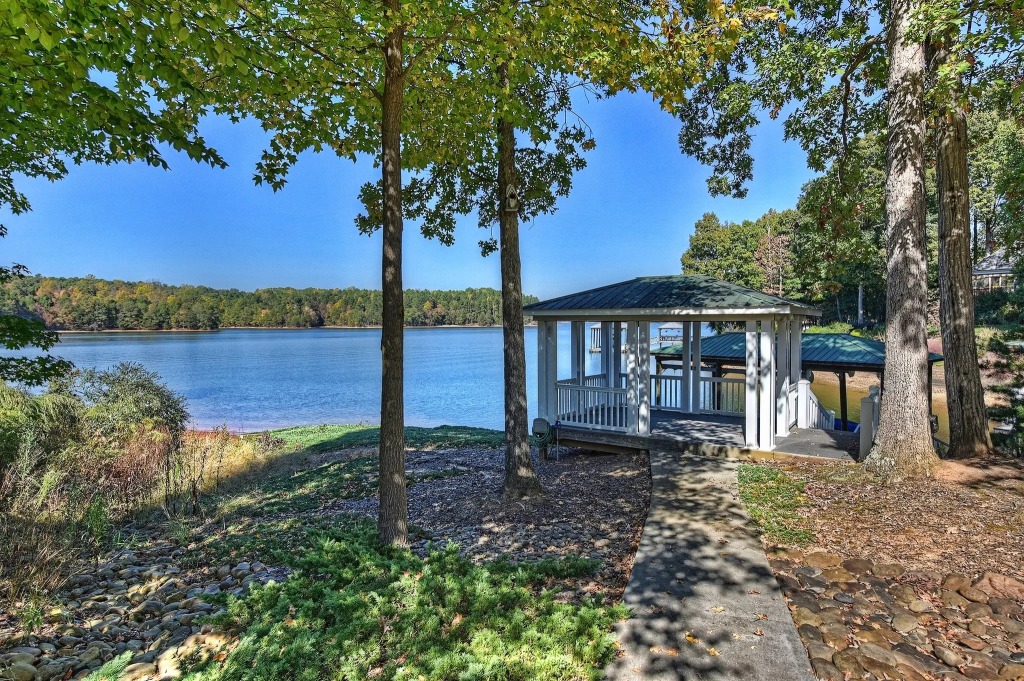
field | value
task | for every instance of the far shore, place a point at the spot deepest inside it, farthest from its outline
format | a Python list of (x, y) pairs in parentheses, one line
[(275, 328)]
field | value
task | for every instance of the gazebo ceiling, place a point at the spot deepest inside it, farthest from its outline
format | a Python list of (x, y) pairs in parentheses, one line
[(667, 297)]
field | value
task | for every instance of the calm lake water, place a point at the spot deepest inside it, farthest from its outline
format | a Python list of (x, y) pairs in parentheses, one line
[(253, 379)]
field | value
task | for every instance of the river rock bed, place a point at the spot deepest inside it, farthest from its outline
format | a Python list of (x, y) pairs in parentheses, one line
[(861, 619), (139, 601)]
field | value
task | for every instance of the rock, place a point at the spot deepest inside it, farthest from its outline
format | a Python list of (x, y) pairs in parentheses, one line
[(819, 651), (835, 635), (20, 671), (837, 574), (904, 624), (601, 543), (1001, 586), (976, 610), (981, 668), (14, 658), (948, 656), (822, 559), (858, 566), (878, 654), (952, 599), (138, 671), (955, 582), (1017, 658), (803, 616), (1012, 672), (52, 670), (809, 634), (847, 662), (1004, 606), (843, 597), (888, 571), (919, 606), (977, 628), (826, 671), (972, 594)]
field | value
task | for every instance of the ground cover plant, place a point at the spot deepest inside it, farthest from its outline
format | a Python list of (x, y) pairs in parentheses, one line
[(353, 608), (773, 500)]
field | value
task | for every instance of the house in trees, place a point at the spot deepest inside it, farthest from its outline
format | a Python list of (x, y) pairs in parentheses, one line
[(995, 272)]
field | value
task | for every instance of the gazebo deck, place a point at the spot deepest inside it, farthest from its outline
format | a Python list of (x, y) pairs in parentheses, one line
[(716, 435)]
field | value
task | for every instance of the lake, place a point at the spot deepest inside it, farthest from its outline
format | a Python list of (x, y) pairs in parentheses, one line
[(255, 379)]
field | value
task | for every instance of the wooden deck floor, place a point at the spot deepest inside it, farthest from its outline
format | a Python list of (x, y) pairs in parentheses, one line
[(717, 436)]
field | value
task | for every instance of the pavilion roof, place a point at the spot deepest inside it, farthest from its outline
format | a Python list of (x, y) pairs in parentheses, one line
[(825, 351), (667, 297), (997, 262)]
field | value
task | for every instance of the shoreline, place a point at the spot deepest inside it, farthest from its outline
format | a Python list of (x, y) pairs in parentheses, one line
[(75, 332)]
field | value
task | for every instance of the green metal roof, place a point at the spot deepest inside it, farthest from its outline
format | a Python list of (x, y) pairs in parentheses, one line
[(825, 350), (691, 291)]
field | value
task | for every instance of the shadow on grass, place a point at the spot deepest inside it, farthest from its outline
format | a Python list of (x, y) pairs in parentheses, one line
[(328, 438)]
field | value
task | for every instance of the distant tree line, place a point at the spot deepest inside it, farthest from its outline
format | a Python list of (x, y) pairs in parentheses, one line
[(91, 304)]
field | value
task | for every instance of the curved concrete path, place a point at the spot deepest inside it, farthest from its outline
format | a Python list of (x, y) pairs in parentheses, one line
[(705, 602)]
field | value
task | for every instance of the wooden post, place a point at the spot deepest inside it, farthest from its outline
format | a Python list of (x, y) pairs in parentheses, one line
[(684, 364), (695, 386), (783, 354), (750, 397), (644, 378), (766, 415), (842, 399), (632, 387)]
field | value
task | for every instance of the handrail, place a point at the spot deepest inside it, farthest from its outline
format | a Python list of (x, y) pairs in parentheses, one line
[(597, 408)]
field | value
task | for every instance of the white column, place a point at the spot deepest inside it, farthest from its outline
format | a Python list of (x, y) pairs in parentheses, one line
[(543, 410), (609, 355), (695, 376), (576, 348), (750, 397), (802, 418), (782, 356), (617, 354), (766, 388), (632, 387), (796, 362), (684, 359), (644, 378)]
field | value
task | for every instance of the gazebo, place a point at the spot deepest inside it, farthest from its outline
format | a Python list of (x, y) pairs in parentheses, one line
[(615, 402)]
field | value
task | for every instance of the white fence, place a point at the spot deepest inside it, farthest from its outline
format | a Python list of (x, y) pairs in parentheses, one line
[(868, 420), (813, 415), (717, 395), (597, 408)]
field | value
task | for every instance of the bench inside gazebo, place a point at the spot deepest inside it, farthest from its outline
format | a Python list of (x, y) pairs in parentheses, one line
[(624, 405)]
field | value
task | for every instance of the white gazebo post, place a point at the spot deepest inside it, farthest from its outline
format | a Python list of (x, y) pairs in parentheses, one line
[(609, 355), (577, 348), (750, 393), (632, 384), (695, 386), (684, 363), (547, 370), (782, 357), (644, 378), (766, 420), (617, 354), (796, 369)]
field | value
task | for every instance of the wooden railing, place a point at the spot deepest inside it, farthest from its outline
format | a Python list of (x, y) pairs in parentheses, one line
[(597, 408), (818, 416)]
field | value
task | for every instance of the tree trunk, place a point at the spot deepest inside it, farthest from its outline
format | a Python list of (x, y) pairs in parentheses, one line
[(965, 396), (520, 478), (903, 447), (392, 520)]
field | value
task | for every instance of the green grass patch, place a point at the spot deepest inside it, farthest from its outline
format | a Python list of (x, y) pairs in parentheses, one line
[(354, 609), (773, 499), (329, 438)]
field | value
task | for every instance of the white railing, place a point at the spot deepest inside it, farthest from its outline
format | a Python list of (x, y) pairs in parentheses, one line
[(794, 400), (717, 395), (594, 381), (722, 395), (868, 420), (594, 408), (667, 392), (818, 416)]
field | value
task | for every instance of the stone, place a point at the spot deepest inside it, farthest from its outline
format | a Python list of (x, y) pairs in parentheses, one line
[(1004, 606), (952, 599), (14, 658), (837, 574), (904, 623), (20, 671), (888, 571), (52, 670), (955, 582), (835, 635), (1012, 672), (995, 584), (803, 616), (601, 543), (878, 654), (843, 597), (858, 566), (138, 671), (826, 671), (976, 610), (822, 559), (948, 656), (847, 662), (809, 634), (919, 606), (819, 651), (982, 669), (973, 594), (977, 628)]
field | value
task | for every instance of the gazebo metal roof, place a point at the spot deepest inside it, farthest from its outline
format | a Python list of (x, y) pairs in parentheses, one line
[(667, 297), (997, 262), (822, 351)]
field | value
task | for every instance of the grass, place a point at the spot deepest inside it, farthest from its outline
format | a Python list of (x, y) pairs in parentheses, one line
[(773, 500), (354, 609), (328, 437)]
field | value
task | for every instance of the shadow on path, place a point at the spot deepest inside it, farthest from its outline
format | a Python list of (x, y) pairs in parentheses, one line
[(706, 604)]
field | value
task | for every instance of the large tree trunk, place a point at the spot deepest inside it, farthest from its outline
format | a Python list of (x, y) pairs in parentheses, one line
[(965, 396), (520, 478), (392, 520), (903, 447)]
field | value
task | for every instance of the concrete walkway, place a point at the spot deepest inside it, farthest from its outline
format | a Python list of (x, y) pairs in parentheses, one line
[(706, 604)]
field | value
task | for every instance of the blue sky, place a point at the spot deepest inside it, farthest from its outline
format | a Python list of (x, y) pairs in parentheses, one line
[(630, 214)]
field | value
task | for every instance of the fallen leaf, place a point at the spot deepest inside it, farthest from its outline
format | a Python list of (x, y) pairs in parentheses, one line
[(690, 638), (713, 652), (761, 615), (718, 608), (758, 632)]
